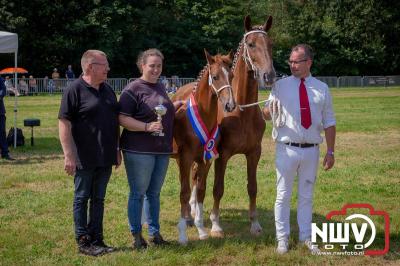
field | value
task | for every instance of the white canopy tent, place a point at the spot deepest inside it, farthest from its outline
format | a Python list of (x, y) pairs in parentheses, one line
[(9, 45)]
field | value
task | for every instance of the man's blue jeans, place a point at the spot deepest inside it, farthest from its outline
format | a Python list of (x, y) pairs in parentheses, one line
[(146, 174), (90, 184)]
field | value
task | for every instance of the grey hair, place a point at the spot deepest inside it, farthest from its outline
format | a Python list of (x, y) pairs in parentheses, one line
[(142, 57), (88, 57)]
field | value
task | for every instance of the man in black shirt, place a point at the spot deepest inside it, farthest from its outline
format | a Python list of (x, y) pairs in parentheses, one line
[(89, 132)]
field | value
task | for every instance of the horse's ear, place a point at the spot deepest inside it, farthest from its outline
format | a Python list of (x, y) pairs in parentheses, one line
[(247, 23), (267, 24), (231, 55), (228, 59), (210, 59)]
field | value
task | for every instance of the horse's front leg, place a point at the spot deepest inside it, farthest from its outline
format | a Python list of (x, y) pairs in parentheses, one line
[(201, 183), (184, 161), (252, 162), (193, 196), (218, 192)]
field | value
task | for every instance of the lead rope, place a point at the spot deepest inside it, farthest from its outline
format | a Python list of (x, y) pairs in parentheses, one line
[(243, 106), (278, 119), (275, 109)]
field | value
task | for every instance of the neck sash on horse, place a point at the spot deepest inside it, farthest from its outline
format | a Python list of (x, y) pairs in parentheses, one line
[(206, 139)]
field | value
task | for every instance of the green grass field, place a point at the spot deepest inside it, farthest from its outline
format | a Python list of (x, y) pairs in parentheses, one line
[(36, 195)]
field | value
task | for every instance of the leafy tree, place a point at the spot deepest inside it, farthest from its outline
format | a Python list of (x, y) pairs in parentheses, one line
[(350, 37)]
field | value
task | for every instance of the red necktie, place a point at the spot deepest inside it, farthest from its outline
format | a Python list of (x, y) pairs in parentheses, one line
[(304, 106)]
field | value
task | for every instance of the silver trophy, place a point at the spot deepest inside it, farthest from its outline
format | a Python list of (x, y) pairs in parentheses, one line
[(160, 110)]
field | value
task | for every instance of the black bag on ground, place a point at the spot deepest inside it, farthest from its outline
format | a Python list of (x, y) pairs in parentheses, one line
[(20, 137)]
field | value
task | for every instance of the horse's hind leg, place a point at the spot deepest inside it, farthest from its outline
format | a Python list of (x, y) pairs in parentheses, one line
[(218, 192), (184, 163), (202, 171), (252, 162)]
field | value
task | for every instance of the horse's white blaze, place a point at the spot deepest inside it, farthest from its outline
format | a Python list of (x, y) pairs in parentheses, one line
[(226, 74), (268, 59)]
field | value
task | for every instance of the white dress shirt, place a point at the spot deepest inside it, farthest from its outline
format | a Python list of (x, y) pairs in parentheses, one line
[(287, 92)]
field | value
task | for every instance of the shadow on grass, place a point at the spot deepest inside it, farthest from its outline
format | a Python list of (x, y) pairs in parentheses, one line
[(44, 145), (236, 225)]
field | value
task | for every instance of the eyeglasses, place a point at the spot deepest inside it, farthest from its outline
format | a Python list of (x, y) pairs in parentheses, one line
[(296, 62), (102, 64)]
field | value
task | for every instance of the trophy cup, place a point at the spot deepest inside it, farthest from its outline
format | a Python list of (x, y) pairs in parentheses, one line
[(160, 110)]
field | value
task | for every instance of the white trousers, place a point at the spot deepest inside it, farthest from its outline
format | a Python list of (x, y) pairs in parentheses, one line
[(291, 161)]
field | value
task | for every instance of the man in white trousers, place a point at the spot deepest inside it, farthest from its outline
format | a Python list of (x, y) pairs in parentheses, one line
[(306, 109)]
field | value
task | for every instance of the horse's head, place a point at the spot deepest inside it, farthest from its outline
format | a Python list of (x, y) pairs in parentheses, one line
[(257, 52), (220, 78)]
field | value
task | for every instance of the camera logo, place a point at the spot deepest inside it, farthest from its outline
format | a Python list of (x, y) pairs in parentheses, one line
[(337, 234)]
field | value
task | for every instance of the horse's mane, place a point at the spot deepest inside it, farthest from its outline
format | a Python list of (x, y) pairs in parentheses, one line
[(237, 55), (200, 76)]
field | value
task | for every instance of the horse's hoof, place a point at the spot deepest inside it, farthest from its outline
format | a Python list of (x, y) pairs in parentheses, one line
[(256, 229), (256, 232), (217, 234), (202, 233), (203, 237)]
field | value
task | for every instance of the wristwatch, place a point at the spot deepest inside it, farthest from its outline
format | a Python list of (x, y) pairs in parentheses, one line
[(331, 153)]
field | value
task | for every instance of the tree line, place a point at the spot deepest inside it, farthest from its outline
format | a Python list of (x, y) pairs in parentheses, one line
[(349, 37)]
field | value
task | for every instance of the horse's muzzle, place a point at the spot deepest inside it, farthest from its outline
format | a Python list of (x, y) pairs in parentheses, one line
[(269, 78), (230, 106)]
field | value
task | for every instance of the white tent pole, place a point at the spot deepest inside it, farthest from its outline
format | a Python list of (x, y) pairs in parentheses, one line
[(15, 100)]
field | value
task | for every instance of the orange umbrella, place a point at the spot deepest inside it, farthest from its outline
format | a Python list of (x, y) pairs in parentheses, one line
[(12, 70)]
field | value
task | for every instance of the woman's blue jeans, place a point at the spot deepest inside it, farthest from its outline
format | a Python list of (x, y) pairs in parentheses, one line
[(90, 184), (146, 174)]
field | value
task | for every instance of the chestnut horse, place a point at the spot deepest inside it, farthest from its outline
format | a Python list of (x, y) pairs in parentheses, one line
[(242, 130), (214, 83)]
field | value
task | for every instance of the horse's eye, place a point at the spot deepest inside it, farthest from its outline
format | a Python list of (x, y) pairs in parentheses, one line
[(215, 77), (252, 45)]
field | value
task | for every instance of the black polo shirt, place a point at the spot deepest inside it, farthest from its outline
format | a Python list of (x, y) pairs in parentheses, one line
[(94, 118)]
